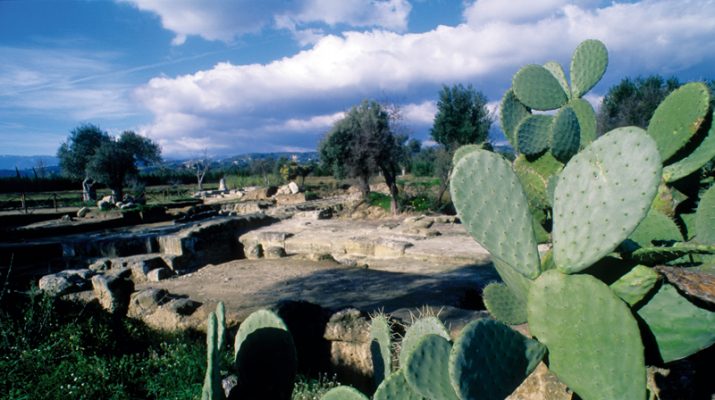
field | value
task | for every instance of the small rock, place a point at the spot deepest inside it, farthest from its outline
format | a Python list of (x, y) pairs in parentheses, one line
[(293, 187), (159, 274), (253, 251), (83, 212), (64, 282), (228, 383), (113, 292), (348, 325), (66, 218), (146, 301), (104, 205), (102, 264)]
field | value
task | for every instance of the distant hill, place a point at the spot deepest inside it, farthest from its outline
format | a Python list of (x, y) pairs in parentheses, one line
[(26, 162)]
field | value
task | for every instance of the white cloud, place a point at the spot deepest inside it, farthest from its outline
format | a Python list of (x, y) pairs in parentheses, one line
[(518, 11), (317, 124), (227, 20), (420, 114), (653, 36)]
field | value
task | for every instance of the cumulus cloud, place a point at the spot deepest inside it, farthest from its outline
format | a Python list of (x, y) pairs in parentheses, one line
[(655, 36), (226, 20)]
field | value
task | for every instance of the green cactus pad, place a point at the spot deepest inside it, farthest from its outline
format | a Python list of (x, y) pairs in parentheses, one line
[(594, 343), (705, 218), (689, 223), (558, 72), (547, 261), (489, 360), (565, 134), (658, 255), (655, 227), (503, 304), (427, 368), (602, 195), (537, 88), (221, 321), (588, 64), (257, 320), (517, 282), (395, 387), (586, 120), (212, 389), (504, 227), (695, 160), (533, 134), (421, 327), (464, 150), (266, 364), (381, 347), (680, 328), (534, 176), (511, 113), (664, 200), (679, 117), (344, 393), (636, 284)]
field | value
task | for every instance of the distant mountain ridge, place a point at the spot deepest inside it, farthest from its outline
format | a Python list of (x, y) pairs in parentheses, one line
[(26, 162)]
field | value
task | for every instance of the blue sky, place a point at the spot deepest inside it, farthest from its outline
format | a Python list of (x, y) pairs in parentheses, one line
[(233, 77)]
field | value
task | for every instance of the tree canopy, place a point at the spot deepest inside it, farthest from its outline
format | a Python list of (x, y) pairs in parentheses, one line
[(462, 117), (632, 102), (92, 155), (361, 144)]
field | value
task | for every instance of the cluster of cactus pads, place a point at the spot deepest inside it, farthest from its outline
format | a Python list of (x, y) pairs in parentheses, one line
[(598, 292), (264, 357), (432, 366)]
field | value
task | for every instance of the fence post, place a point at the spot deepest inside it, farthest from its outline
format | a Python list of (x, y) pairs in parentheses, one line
[(54, 200), (24, 202)]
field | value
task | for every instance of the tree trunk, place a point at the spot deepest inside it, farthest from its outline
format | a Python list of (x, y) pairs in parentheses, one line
[(117, 194), (391, 181), (444, 184), (89, 193), (364, 184)]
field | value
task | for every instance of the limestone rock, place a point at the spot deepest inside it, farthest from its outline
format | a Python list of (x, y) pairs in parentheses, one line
[(146, 301), (291, 198), (100, 265), (113, 292), (159, 274), (253, 251), (541, 384), (182, 306), (293, 187), (222, 184), (349, 325), (314, 215), (349, 333), (64, 282), (82, 212)]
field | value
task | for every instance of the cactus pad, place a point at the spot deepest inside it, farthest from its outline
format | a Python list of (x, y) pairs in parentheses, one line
[(602, 195), (511, 113), (502, 227), (464, 150), (655, 227), (586, 120), (695, 160), (503, 304), (680, 328), (537, 88), (565, 134), (594, 343), (344, 393), (395, 387), (588, 65), (257, 320), (221, 324), (266, 363), (489, 360), (636, 284), (679, 117), (381, 347), (705, 218), (421, 327), (427, 368), (212, 389), (533, 135), (558, 72)]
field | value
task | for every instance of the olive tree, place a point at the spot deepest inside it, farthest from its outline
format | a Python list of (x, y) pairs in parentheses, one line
[(361, 144)]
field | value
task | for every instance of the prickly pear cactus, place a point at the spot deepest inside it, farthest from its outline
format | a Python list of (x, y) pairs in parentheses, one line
[(705, 218), (257, 320), (586, 120), (679, 117), (654, 228), (594, 343), (221, 325), (565, 134), (588, 64), (344, 393), (427, 368), (381, 347), (503, 304), (464, 150), (489, 360), (395, 387), (693, 161), (680, 328), (602, 195), (512, 112), (421, 327), (537, 88), (502, 227), (534, 134), (635, 284), (212, 389)]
